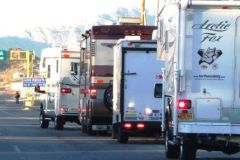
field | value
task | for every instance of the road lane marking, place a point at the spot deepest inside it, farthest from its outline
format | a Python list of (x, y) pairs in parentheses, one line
[(22, 118), (16, 149), (91, 151)]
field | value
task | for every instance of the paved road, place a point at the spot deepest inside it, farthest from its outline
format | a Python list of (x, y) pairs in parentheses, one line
[(22, 139)]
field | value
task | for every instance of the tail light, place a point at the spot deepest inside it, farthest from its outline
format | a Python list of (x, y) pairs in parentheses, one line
[(184, 104), (93, 93), (63, 109), (65, 55), (140, 126), (66, 90), (128, 125)]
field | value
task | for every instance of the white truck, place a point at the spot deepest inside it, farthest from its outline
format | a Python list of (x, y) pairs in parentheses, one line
[(60, 67), (200, 44), (136, 112)]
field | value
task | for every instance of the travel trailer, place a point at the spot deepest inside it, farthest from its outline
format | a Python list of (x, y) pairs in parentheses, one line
[(200, 44), (136, 111), (97, 73), (60, 67)]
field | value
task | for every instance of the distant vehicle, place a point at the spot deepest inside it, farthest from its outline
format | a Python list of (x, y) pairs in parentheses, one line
[(97, 73), (61, 69), (200, 44), (136, 111)]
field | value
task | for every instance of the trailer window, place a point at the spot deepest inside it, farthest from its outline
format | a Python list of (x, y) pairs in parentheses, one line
[(158, 90), (49, 71), (160, 31), (74, 68), (57, 66), (44, 62)]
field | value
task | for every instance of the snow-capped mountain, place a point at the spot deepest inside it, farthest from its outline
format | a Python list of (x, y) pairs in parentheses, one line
[(66, 35)]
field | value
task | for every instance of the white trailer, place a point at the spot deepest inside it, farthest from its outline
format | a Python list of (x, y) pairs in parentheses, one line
[(136, 112), (61, 68), (200, 44)]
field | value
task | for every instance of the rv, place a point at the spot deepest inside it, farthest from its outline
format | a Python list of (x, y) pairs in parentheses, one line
[(97, 73), (136, 111), (60, 67), (200, 44)]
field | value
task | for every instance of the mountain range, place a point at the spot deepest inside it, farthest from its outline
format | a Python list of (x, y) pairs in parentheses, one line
[(38, 38)]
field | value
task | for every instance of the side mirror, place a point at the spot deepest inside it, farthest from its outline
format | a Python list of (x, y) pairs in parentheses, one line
[(158, 90)]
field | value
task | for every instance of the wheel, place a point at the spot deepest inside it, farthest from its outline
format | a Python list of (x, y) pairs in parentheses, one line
[(114, 131), (171, 151), (84, 128), (90, 132), (43, 122), (122, 137), (58, 123), (187, 149), (108, 95)]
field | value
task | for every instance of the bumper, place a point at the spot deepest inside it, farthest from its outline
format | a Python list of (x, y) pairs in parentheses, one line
[(150, 129), (209, 128)]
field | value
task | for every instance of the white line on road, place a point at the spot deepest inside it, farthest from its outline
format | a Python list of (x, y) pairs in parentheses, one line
[(22, 118), (16, 149)]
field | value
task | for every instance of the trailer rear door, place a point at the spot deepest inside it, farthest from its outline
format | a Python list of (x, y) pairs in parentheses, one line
[(215, 63), (141, 72)]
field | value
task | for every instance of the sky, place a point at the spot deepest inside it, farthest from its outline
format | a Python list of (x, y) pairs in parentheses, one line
[(19, 15)]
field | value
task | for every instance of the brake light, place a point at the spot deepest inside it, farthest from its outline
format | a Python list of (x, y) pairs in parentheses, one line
[(93, 93), (139, 32), (65, 55), (128, 125), (184, 104), (132, 32), (140, 126), (100, 81), (66, 90), (63, 109)]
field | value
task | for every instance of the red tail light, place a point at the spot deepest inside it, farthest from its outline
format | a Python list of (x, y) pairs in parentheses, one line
[(132, 32), (140, 126), (128, 125), (66, 90), (184, 104), (65, 55), (63, 109), (93, 93)]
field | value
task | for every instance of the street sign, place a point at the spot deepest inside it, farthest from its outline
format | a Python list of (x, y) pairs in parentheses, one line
[(3, 55), (32, 82)]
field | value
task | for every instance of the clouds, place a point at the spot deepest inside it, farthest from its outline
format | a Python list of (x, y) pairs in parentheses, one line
[(18, 15)]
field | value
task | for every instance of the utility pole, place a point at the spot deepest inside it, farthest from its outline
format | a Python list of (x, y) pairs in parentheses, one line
[(143, 13)]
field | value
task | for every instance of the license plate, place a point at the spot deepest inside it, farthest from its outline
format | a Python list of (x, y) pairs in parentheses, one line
[(184, 116)]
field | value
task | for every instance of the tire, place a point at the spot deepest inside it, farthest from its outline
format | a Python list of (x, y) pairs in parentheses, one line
[(90, 132), (108, 95), (122, 137), (171, 151), (114, 131), (59, 123), (84, 128), (187, 149), (43, 122)]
